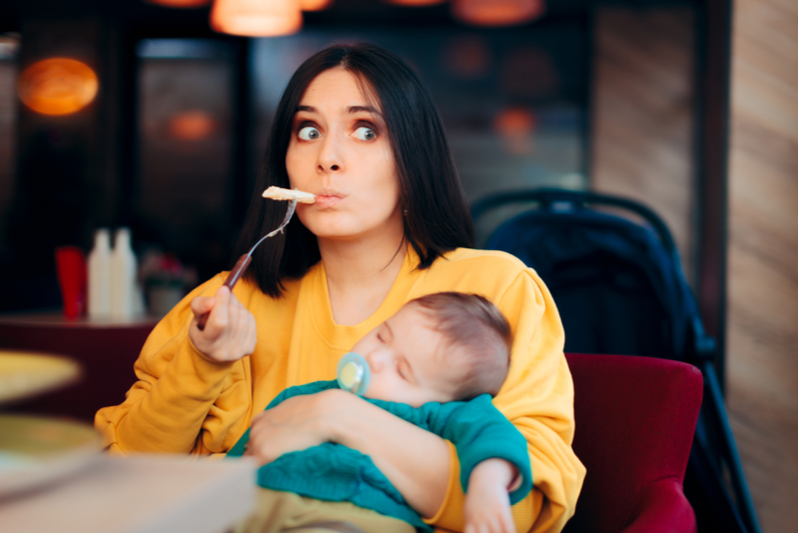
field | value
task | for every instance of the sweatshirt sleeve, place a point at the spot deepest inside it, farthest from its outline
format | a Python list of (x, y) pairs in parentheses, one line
[(480, 432), (450, 516), (537, 397), (181, 401), (477, 430)]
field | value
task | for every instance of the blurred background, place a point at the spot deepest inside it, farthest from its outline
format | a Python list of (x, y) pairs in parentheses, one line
[(158, 119)]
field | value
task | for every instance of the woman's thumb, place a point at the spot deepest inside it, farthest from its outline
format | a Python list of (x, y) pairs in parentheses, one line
[(202, 305)]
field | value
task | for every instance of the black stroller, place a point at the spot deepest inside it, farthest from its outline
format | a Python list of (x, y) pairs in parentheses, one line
[(620, 289)]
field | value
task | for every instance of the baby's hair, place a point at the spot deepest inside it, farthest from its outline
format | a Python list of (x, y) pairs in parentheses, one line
[(472, 322)]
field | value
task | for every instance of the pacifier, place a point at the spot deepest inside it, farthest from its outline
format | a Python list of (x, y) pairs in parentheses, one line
[(352, 373)]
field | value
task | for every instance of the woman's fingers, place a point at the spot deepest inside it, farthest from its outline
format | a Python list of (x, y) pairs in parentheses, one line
[(202, 305), (217, 309), (220, 315), (241, 326), (250, 328), (294, 425), (230, 331), (507, 522), (497, 525), (488, 525)]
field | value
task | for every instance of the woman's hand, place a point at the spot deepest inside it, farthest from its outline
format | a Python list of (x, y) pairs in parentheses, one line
[(229, 333), (296, 424), (416, 461), (487, 508)]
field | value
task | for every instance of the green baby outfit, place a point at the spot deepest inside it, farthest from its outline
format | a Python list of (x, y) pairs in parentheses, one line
[(333, 472)]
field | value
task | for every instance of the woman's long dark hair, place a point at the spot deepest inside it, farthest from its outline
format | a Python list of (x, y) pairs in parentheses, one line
[(437, 217)]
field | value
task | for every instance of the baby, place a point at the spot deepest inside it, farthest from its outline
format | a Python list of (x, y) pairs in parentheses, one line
[(435, 363)]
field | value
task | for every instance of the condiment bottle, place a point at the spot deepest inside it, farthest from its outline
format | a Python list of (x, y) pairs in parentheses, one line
[(99, 268), (123, 276)]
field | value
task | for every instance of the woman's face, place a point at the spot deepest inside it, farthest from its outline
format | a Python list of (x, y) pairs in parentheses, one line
[(340, 151)]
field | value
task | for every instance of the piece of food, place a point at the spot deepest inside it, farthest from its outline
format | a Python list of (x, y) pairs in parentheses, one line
[(276, 193)]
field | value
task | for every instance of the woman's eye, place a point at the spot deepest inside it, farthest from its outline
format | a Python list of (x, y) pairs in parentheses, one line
[(365, 134), (308, 133)]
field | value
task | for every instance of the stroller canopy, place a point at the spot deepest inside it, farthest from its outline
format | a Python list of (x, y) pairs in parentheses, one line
[(613, 280)]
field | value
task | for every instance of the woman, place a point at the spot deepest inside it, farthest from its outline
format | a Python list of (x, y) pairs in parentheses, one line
[(355, 127)]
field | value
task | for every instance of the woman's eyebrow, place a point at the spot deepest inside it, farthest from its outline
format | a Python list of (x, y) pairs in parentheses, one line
[(364, 108), (351, 109)]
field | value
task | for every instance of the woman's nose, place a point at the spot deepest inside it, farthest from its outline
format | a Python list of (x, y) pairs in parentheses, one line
[(329, 158)]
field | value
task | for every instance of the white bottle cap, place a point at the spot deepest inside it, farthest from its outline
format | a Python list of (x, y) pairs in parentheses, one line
[(102, 238), (122, 238)]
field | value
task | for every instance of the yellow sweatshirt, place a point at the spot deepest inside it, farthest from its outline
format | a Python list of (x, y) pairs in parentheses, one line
[(183, 403)]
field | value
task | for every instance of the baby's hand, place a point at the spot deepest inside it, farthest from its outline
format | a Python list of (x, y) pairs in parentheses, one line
[(487, 508)]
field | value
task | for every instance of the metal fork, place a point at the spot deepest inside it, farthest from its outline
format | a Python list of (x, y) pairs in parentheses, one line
[(243, 262)]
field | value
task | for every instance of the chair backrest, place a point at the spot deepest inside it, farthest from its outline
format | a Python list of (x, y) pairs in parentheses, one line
[(634, 418)]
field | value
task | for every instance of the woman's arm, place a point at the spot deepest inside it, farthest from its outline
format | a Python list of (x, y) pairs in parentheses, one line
[(175, 392), (416, 461), (537, 397)]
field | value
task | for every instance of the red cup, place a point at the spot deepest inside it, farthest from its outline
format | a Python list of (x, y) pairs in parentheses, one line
[(71, 266)]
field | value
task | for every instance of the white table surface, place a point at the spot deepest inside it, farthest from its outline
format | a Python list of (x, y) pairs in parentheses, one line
[(138, 494)]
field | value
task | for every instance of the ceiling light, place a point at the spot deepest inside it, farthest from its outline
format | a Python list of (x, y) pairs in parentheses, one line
[(179, 3), (256, 18), (497, 12), (57, 86)]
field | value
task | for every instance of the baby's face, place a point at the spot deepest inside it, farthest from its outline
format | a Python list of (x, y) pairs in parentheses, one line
[(407, 361)]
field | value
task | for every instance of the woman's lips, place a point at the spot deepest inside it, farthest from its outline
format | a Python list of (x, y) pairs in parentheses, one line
[(324, 201)]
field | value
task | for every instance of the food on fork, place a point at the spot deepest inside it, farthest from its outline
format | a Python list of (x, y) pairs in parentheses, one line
[(277, 193)]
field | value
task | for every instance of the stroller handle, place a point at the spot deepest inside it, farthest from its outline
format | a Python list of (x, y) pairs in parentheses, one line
[(547, 197)]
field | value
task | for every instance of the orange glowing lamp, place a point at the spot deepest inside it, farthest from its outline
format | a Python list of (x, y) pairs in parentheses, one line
[(180, 4), (496, 13), (516, 126), (416, 3), (57, 86), (256, 18), (191, 125), (515, 123), (314, 5)]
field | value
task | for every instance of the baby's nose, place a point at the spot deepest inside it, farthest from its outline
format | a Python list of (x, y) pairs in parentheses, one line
[(377, 359)]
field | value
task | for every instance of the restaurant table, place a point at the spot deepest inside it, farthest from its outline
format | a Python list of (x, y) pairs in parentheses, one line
[(104, 349), (28, 374), (138, 494)]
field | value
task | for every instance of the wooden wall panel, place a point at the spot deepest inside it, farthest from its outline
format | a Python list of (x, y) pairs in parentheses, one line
[(642, 112), (762, 272), (641, 147)]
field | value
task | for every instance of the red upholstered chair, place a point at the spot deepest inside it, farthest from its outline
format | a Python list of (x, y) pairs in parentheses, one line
[(634, 419)]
